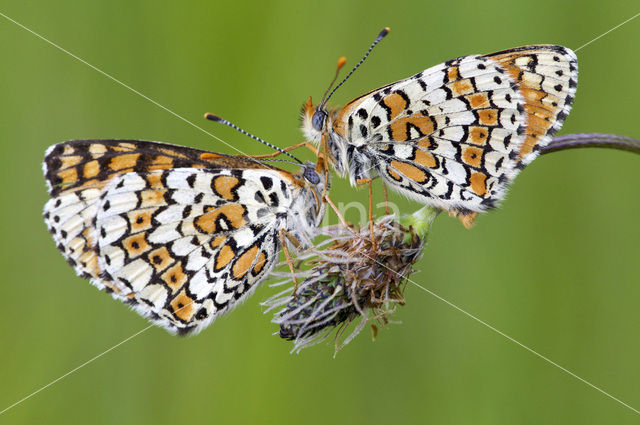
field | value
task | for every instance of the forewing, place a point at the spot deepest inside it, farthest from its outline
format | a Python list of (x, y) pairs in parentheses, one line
[(181, 245), (77, 171), (81, 164), (456, 134)]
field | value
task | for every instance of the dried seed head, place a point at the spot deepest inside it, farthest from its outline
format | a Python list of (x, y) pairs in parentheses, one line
[(350, 277)]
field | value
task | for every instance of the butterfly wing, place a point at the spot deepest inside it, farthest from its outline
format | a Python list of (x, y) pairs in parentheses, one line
[(76, 172), (80, 164), (456, 134), (182, 245)]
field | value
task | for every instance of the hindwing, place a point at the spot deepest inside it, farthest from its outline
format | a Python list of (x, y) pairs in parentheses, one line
[(181, 235), (456, 134)]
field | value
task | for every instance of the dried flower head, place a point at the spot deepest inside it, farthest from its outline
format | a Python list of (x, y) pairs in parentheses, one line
[(352, 274)]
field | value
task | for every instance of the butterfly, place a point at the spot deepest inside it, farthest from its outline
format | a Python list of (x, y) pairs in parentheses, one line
[(453, 136), (180, 234)]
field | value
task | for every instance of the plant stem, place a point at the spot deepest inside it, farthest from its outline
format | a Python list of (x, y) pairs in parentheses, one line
[(592, 140), (420, 220)]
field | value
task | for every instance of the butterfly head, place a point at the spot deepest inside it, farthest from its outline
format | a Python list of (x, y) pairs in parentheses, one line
[(308, 207), (314, 121)]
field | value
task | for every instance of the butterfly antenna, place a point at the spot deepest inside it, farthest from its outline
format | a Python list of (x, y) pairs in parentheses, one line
[(380, 36), (341, 63), (278, 160), (216, 118)]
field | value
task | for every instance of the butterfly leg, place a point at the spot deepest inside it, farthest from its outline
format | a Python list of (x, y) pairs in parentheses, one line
[(340, 216), (386, 198), (323, 163), (289, 262), (368, 182), (291, 238)]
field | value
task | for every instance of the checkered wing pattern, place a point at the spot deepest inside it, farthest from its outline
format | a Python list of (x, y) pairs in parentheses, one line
[(455, 135), (179, 234)]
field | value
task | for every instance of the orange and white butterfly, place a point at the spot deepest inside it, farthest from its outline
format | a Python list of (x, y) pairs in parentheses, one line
[(181, 235), (453, 136)]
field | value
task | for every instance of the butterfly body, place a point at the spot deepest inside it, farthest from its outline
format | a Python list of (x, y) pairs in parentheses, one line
[(455, 135), (180, 234)]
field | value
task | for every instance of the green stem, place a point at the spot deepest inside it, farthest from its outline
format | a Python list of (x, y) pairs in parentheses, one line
[(420, 220)]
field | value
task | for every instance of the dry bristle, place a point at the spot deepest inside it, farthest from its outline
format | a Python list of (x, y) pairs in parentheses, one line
[(348, 279)]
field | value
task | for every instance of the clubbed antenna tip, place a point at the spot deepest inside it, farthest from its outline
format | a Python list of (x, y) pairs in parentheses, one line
[(380, 36), (212, 117)]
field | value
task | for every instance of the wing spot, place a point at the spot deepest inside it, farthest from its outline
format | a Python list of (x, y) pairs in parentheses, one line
[(160, 258), (91, 169), (267, 182), (68, 176), (274, 200), (472, 156), (488, 117), (152, 197), (478, 183), (225, 186), (396, 104), (191, 180), (183, 306), (425, 159), (136, 245), (410, 171), (479, 100), (462, 87), (174, 277), (242, 264), (122, 162), (478, 135), (201, 314), (139, 220), (453, 73), (225, 255), (260, 263)]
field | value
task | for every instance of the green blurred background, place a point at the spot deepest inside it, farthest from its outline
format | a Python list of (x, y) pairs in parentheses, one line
[(556, 268)]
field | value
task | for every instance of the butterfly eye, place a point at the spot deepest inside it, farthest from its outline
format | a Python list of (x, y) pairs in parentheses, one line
[(310, 175), (318, 119)]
